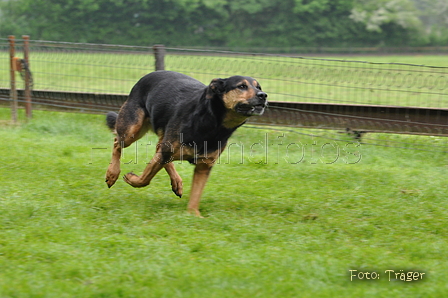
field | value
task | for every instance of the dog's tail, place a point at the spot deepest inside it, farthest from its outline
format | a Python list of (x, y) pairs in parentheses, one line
[(111, 119)]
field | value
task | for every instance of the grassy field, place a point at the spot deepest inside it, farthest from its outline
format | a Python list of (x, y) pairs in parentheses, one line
[(286, 215), (370, 80)]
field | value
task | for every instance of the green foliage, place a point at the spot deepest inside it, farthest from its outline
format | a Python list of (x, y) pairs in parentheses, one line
[(236, 23), (435, 23), (375, 14)]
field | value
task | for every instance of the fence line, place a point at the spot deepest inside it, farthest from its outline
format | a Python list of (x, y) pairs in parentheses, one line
[(327, 93), (303, 79)]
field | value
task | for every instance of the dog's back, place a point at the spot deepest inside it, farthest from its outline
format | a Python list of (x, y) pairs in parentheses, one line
[(165, 87), (162, 94)]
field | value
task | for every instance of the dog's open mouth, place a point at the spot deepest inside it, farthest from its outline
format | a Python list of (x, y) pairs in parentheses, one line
[(251, 110)]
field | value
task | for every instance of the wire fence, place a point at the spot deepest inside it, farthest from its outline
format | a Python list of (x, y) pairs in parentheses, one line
[(339, 51), (95, 68), (86, 77), (4, 64), (114, 69), (320, 80)]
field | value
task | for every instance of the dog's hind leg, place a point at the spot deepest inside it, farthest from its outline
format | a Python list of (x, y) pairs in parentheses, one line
[(162, 159), (130, 126), (159, 161), (114, 167), (176, 180)]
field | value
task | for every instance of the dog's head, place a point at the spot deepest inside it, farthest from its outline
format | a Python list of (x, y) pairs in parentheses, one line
[(240, 94)]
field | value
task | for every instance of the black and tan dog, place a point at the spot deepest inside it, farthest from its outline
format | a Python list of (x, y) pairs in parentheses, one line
[(193, 122)]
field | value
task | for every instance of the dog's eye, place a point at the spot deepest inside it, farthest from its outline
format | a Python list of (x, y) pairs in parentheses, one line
[(242, 87), (259, 88)]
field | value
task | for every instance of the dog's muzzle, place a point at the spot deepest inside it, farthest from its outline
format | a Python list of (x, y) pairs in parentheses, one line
[(250, 110), (255, 106)]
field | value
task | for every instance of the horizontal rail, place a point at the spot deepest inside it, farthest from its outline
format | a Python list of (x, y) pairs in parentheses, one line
[(368, 118)]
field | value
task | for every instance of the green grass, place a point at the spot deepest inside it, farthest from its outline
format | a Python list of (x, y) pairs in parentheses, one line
[(332, 80), (273, 226)]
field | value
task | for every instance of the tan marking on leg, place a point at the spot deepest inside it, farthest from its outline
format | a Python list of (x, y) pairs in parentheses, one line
[(181, 151), (127, 136), (152, 168), (113, 171), (201, 174), (211, 157), (136, 130), (176, 180)]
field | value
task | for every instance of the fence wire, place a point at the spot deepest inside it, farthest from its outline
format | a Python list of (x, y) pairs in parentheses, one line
[(320, 80), (4, 63), (92, 68), (90, 78)]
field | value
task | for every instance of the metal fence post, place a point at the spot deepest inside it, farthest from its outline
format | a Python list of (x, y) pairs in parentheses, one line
[(159, 54), (12, 76), (27, 92)]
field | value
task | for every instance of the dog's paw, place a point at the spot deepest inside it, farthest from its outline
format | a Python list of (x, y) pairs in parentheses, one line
[(195, 212), (111, 177), (177, 192), (177, 187), (134, 180), (128, 178)]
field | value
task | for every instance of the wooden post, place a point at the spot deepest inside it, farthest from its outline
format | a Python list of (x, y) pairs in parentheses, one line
[(27, 93), (12, 76), (159, 54)]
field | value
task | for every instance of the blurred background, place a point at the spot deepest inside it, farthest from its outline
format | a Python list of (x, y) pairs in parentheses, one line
[(268, 25)]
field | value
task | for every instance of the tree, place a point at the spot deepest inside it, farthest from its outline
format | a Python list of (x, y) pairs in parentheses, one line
[(235, 23), (434, 17), (376, 13)]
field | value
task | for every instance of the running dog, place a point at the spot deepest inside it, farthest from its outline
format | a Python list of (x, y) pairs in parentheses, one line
[(193, 122)]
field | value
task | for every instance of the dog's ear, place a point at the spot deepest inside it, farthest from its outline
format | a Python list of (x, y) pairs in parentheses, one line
[(217, 86)]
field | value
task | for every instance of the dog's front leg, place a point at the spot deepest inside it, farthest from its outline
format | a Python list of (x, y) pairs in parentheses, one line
[(201, 174), (176, 180), (154, 166)]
